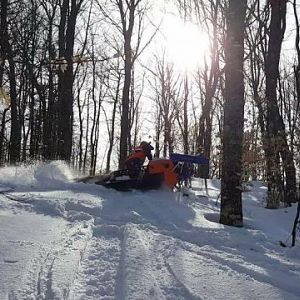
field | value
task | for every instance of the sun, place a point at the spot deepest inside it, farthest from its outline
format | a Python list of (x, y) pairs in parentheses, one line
[(186, 45)]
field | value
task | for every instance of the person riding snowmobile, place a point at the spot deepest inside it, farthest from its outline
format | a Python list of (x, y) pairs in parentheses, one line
[(135, 161)]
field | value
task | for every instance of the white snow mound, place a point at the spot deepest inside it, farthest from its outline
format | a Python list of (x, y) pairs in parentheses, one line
[(50, 174), (53, 172), (16, 176)]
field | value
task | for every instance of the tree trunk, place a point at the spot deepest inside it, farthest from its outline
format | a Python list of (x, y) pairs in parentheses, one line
[(186, 147), (80, 118), (15, 135), (2, 133), (275, 133), (50, 132), (297, 78), (113, 120), (231, 191), (3, 37), (127, 14), (66, 77), (125, 103), (7, 53)]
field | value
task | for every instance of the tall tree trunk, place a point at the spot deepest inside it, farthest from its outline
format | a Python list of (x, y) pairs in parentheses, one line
[(7, 52), (113, 120), (211, 79), (3, 37), (125, 102), (80, 117), (49, 133), (275, 133), (2, 133), (93, 127), (297, 78), (15, 135), (66, 77), (231, 192), (186, 147), (127, 15), (86, 134)]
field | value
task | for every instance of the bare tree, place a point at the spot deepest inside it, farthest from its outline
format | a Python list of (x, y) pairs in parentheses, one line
[(210, 15), (50, 113), (297, 79), (69, 10), (15, 134), (276, 134), (114, 95), (167, 92), (182, 114)]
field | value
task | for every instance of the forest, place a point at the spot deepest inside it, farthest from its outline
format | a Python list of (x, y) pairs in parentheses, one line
[(85, 81)]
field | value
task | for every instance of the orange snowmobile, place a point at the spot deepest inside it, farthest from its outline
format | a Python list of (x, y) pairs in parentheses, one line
[(159, 172)]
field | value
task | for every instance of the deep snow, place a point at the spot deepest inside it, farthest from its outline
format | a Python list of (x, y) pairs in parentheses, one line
[(65, 240)]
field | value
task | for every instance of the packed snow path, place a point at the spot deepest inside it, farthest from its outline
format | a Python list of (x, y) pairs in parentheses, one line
[(64, 240)]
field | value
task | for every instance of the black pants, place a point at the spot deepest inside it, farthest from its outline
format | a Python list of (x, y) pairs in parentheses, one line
[(134, 166)]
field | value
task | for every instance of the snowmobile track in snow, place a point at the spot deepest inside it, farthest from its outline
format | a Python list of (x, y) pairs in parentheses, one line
[(100, 271), (62, 258)]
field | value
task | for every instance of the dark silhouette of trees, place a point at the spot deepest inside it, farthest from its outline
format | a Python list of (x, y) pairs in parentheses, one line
[(75, 87)]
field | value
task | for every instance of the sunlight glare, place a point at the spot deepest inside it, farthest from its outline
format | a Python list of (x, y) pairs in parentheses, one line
[(186, 45)]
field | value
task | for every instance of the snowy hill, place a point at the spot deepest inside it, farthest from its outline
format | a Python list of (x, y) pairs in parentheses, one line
[(65, 240)]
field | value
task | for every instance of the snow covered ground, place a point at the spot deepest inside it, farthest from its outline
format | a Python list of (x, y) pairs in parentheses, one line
[(66, 240)]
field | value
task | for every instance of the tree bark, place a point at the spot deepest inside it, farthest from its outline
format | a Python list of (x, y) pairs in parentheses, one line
[(125, 104), (128, 15), (3, 37), (50, 115), (231, 191), (15, 134), (66, 77), (275, 128), (113, 120), (2, 133)]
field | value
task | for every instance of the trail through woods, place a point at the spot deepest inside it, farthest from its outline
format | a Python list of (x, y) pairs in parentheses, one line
[(65, 240)]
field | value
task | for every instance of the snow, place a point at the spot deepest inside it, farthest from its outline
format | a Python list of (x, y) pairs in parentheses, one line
[(65, 240)]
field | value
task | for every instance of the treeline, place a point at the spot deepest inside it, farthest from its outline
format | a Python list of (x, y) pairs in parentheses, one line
[(74, 79)]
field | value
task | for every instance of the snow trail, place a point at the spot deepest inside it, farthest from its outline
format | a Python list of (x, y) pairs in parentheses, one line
[(65, 240)]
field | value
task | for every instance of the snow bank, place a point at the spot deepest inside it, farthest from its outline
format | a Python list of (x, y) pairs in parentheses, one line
[(55, 174), (18, 176), (49, 207), (107, 230)]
